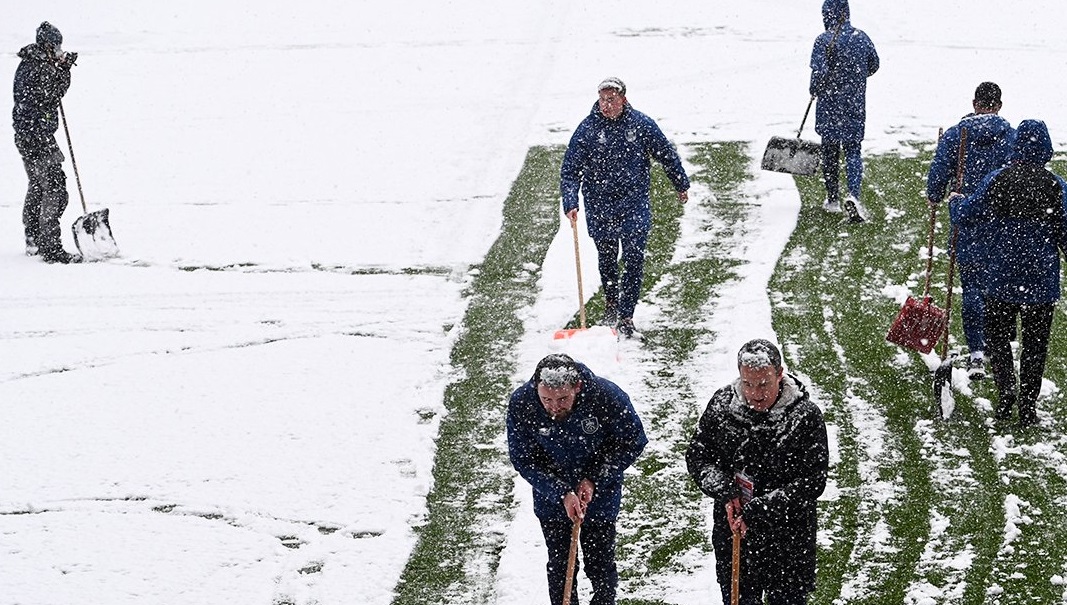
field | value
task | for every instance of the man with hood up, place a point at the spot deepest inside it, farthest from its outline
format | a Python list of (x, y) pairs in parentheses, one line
[(760, 450), (986, 148), (571, 434), (41, 80), (1021, 211), (609, 159), (841, 61)]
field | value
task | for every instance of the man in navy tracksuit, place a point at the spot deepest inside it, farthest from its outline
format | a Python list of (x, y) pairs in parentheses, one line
[(41, 80), (571, 435), (609, 159), (1020, 211), (842, 59), (988, 145)]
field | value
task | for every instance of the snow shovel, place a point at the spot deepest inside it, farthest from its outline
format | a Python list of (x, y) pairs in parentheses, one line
[(572, 558), (92, 230), (567, 333), (942, 383), (794, 155), (920, 323)]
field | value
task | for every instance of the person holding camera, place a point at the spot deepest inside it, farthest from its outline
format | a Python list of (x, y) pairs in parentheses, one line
[(41, 80)]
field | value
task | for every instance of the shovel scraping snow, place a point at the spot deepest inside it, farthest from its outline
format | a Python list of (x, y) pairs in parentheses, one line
[(92, 231), (792, 155)]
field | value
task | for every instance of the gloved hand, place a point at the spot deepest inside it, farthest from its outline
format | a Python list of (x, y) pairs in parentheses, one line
[(67, 60)]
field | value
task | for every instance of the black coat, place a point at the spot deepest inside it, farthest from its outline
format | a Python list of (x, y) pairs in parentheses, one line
[(39, 87), (784, 452)]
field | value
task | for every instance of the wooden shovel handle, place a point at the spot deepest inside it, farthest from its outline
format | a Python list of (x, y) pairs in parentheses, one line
[(578, 269), (735, 571), (572, 557)]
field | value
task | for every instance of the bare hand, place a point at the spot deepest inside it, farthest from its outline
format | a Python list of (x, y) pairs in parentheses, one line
[(572, 215), (683, 196), (734, 519), (574, 507), (585, 493)]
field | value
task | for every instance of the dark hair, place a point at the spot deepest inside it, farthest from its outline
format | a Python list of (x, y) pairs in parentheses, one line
[(987, 95), (759, 353), (555, 371)]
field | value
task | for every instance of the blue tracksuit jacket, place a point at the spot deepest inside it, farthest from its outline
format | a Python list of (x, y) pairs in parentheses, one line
[(610, 160), (600, 439)]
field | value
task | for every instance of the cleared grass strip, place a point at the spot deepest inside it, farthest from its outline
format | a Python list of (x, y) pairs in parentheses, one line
[(456, 557)]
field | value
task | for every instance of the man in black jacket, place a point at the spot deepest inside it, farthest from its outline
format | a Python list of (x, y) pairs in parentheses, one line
[(41, 80), (760, 451)]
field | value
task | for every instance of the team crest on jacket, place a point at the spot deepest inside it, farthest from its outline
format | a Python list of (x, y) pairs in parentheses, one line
[(590, 426), (602, 138), (631, 135)]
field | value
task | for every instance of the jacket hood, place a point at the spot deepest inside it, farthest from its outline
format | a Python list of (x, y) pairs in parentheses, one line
[(833, 11), (1033, 144)]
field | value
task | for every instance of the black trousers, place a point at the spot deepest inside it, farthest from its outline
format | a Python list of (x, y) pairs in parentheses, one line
[(46, 195), (1000, 324), (598, 551)]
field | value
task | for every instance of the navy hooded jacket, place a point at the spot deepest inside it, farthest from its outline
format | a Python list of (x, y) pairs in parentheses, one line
[(989, 143), (841, 61), (39, 87), (1019, 212), (600, 439), (610, 160)]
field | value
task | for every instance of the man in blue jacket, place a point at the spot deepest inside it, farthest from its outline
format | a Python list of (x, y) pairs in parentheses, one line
[(988, 145), (841, 61), (41, 80), (571, 435), (1022, 210), (608, 158)]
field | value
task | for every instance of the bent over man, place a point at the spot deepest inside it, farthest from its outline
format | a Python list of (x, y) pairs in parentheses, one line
[(760, 452), (571, 435)]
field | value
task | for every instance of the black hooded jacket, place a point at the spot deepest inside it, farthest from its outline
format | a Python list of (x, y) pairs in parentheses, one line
[(39, 87), (784, 452)]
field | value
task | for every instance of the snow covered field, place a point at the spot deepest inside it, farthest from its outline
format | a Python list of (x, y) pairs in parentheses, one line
[(299, 190)]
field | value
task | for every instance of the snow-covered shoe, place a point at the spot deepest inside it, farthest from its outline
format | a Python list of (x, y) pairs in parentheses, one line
[(626, 328), (611, 315), (62, 257), (832, 207), (31, 246), (976, 369), (854, 210)]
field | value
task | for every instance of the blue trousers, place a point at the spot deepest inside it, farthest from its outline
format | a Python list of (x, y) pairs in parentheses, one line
[(598, 550), (831, 151), (624, 291)]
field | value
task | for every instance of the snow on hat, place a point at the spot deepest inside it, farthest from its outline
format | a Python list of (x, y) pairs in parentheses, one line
[(49, 34), (987, 95), (1032, 143), (613, 82)]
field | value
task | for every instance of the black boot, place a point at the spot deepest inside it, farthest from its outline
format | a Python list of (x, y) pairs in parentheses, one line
[(61, 257), (1004, 406)]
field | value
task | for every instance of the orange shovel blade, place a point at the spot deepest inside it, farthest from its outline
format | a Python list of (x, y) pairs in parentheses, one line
[(562, 334)]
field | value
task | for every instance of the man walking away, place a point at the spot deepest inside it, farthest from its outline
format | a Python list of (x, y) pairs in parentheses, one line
[(987, 148), (841, 61)]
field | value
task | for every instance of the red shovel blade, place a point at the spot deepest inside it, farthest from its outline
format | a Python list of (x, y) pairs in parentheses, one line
[(919, 325)]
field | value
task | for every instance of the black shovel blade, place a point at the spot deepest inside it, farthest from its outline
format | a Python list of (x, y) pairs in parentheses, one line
[(791, 155), (92, 235)]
